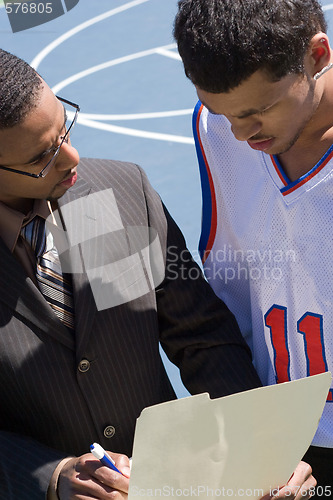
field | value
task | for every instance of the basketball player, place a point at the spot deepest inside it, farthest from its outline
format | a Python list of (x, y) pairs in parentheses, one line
[(264, 137)]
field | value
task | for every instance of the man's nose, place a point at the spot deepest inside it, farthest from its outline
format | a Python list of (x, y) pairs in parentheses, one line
[(68, 157), (245, 128)]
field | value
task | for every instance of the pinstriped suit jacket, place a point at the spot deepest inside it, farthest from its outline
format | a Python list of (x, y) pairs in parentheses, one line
[(51, 409)]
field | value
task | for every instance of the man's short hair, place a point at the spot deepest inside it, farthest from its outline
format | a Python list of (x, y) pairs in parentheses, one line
[(223, 42), (20, 87)]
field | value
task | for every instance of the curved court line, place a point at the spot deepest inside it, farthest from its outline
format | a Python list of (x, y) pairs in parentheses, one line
[(93, 69), (327, 7), (43, 53), (114, 128), (133, 132), (137, 116)]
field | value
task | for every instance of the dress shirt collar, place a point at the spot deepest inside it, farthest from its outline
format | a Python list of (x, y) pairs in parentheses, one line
[(11, 221)]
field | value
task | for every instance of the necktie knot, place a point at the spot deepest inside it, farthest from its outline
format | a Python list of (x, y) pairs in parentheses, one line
[(35, 235)]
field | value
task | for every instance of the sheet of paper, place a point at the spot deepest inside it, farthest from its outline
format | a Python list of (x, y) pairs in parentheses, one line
[(242, 445)]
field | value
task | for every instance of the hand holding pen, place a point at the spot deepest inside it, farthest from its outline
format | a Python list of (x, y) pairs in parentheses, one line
[(84, 477), (104, 457)]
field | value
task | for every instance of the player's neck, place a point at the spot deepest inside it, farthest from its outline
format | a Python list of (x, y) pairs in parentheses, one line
[(299, 161), (311, 146)]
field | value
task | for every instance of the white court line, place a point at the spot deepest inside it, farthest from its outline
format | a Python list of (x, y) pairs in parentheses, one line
[(133, 132), (93, 69), (327, 7), (43, 53), (136, 116), (86, 119), (169, 53)]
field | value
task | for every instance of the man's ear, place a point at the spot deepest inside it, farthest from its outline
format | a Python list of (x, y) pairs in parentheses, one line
[(319, 54)]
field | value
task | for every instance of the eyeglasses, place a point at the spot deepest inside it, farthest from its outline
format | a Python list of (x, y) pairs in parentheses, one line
[(55, 149)]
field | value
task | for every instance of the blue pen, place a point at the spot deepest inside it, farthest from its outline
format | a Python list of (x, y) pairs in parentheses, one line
[(101, 454)]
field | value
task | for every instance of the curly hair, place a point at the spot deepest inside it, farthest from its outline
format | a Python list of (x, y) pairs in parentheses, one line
[(20, 88), (223, 42)]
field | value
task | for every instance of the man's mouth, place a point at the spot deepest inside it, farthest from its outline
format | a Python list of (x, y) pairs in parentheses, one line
[(261, 145), (69, 180)]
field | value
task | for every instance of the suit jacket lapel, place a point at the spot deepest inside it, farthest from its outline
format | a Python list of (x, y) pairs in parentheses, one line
[(84, 302), (23, 297)]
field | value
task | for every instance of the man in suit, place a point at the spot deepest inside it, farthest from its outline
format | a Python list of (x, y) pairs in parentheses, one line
[(81, 320)]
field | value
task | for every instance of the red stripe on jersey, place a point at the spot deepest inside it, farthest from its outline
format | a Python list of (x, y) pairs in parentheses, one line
[(278, 171)]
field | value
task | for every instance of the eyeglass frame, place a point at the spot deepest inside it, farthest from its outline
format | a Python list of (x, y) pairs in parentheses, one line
[(45, 170)]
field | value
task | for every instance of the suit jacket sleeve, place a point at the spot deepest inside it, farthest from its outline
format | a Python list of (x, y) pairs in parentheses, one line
[(197, 331), (26, 467)]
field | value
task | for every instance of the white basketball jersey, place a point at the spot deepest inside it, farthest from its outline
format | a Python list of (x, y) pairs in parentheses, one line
[(267, 249)]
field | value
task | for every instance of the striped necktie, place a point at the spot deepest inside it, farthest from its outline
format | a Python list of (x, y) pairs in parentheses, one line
[(55, 285)]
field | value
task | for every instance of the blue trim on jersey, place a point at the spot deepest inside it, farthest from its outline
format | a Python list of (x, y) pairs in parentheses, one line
[(300, 179), (278, 164), (205, 187)]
